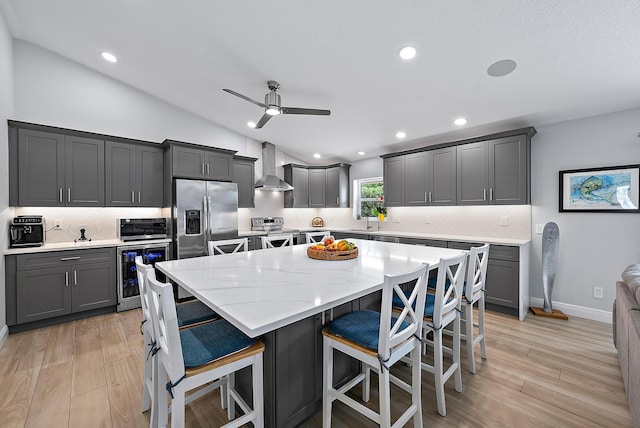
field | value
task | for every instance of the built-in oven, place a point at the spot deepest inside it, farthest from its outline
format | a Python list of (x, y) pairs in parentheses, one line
[(136, 235)]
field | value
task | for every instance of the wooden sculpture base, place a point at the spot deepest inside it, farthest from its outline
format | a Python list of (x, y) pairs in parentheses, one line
[(559, 315)]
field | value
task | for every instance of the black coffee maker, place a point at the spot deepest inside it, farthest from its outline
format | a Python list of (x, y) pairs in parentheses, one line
[(26, 231)]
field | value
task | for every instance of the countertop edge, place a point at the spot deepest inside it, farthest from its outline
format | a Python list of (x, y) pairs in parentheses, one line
[(67, 246)]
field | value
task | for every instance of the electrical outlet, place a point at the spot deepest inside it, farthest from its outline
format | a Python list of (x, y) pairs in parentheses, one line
[(427, 219), (57, 223), (539, 228), (504, 221), (598, 292)]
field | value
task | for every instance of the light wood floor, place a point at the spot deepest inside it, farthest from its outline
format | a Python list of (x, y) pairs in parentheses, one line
[(539, 373)]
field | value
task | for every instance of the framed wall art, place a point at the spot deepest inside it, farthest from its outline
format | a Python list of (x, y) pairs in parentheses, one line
[(606, 189)]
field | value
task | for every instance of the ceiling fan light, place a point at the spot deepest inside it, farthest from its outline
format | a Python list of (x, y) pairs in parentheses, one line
[(273, 110)]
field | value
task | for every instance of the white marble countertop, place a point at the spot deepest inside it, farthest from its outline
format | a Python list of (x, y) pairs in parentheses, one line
[(64, 246), (263, 290)]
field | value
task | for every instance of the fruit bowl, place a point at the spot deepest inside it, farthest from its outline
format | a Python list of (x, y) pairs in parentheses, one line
[(332, 255)]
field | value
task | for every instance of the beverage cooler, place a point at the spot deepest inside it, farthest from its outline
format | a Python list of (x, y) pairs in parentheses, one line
[(128, 290)]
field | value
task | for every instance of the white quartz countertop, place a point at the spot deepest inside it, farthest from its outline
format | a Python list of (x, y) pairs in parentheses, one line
[(263, 290), (63, 246)]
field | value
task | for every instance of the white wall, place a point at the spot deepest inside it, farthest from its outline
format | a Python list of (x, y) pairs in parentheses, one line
[(6, 112), (594, 247)]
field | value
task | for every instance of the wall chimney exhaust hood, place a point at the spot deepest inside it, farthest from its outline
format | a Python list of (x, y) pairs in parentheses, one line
[(269, 180)]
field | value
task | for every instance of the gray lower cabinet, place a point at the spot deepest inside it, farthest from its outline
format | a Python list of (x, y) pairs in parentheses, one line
[(59, 170), (52, 284), (244, 176), (134, 175)]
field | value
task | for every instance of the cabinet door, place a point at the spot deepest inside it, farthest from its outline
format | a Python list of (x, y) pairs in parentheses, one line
[(188, 162), (40, 168), (218, 166), (150, 176), (416, 178), (508, 171), (43, 293), (442, 176), (299, 196), (120, 180), (317, 183), (244, 175), (472, 174), (84, 171), (298, 373), (93, 286), (393, 171), (502, 283), (332, 188)]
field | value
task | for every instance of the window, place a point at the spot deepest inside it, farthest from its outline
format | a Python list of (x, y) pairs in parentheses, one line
[(369, 195)]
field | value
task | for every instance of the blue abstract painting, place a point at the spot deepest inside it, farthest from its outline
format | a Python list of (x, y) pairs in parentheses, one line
[(608, 190)]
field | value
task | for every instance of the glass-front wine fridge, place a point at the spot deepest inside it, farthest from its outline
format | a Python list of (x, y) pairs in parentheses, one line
[(128, 290)]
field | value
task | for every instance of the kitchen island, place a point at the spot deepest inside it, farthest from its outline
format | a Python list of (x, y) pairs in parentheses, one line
[(285, 297)]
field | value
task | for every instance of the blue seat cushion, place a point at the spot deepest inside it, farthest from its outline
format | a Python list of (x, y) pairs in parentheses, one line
[(208, 342), (193, 312), (361, 327), (428, 306)]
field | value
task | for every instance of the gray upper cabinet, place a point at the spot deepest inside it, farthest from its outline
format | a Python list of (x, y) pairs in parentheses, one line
[(441, 182), (244, 176), (416, 179), (494, 172), (509, 170), (59, 170), (473, 179), (337, 188), (394, 181), (317, 186), (134, 175), (205, 164), (298, 177)]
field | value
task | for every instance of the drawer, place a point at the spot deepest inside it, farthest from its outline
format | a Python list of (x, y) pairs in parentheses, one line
[(504, 252), (60, 258), (464, 245), (427, 242)]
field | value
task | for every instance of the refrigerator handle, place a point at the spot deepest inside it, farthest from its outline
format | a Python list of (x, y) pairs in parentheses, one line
[(205, 210), (209, 222)]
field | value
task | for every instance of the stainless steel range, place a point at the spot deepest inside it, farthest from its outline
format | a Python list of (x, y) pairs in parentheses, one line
[(275, 226)]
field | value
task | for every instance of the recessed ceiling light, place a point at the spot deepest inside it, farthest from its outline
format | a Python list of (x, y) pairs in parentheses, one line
[(400, 134), (460, 121), (316, 155), (251, 124), (501, 68), (361, 153), (407, 52), (109, 57)]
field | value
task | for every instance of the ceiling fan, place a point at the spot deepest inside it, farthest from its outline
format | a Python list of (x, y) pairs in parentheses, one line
[(272, 105)]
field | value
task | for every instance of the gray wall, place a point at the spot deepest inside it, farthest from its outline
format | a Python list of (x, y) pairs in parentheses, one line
[(594, 247), (6, 111)]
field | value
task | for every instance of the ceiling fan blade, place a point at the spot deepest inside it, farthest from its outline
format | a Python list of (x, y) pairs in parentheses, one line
[(264, 119), (296, 110), (244, 97)]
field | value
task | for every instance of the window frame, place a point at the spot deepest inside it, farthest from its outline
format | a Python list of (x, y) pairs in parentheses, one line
[(358, 199)]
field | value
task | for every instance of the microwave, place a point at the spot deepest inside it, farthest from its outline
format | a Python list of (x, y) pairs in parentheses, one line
[(138, 229)]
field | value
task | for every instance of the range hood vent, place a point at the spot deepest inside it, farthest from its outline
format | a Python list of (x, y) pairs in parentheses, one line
[(269, 180)]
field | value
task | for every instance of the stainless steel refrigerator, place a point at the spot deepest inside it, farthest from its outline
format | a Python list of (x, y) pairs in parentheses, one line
[(203, 211)]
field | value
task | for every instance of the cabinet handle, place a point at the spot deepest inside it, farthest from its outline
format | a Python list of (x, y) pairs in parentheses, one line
[(75, 277), (429, 196), (202, 168), (66, 259), (69, 194), (133, 198), (66, 279), (338, 200), (138, 197), (491, 193), (208, 172), (61, 195), (425, 196), (484, 194)]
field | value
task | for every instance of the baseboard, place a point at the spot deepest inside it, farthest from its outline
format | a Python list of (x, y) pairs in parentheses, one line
[(576, 311), (4, 333)]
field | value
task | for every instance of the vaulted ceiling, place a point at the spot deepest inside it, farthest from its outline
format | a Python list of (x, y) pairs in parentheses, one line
[(575, 58)]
